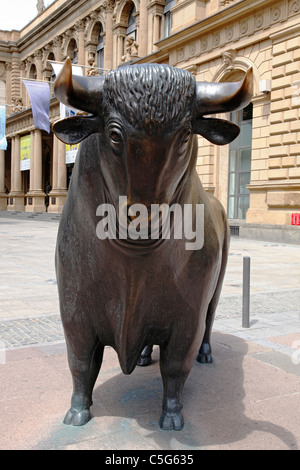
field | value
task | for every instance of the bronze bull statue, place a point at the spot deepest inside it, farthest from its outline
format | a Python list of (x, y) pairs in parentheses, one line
[(140, 143)]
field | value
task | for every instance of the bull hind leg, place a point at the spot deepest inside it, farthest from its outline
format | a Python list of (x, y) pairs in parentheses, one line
[(85, 359), (145, 357), (205, 355)]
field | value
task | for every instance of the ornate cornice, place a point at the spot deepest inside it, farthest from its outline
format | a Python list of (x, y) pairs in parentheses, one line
[(237, 24)]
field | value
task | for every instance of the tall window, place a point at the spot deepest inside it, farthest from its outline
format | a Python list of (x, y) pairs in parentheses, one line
[(131, 30), (240, 164), (33, 72), (100, 51), (168, 17), (75, 57), (72, 51)]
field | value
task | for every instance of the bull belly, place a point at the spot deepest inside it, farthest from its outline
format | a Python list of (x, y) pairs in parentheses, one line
[(140, 327)]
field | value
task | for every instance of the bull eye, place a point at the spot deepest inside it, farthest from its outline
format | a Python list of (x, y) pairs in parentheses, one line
[(185, 138), (116, 137)]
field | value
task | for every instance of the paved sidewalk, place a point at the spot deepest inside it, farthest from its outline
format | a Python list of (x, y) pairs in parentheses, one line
[(249, 398)]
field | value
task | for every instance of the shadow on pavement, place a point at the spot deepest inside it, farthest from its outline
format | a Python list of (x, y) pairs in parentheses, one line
[(126, 409)]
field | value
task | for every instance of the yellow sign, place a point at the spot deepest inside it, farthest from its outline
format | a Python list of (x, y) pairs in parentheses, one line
[(25, 142), (71, 152)]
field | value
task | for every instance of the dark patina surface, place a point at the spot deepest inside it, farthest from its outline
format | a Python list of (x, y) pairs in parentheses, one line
[(140, 141)]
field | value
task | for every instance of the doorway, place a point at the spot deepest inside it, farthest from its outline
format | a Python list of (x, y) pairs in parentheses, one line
[(240, 164)]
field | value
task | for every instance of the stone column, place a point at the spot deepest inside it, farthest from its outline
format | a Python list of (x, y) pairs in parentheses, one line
[(108, 47), (22, 87), (12, 163), (38, 160), (15, 73), (121, 51), (39, 64), (8, 91), (81, 51), (115, 49), (143, 29), (16, 193), (54, 163), (58, 193), (36, 195), (17, 171), (61, 166), (156, 30), (57, 48), (31, 179), (3, 195)]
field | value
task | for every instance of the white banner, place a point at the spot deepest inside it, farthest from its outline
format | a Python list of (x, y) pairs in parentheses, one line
[(3, 141), (76, 69), (39, 94)]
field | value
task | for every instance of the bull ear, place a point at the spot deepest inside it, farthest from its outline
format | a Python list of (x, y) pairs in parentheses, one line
[(74, 129), (217, 131)]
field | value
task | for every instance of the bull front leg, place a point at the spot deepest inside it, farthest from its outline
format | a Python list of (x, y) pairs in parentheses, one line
[(85, 360), (175, 367)]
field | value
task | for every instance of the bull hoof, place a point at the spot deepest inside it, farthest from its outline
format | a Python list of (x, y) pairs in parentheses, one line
[(77, 418), (171, 421), (145, 357), (204, 356), (144, 361)]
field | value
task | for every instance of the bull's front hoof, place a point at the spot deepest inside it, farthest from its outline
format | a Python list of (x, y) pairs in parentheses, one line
[(171, 421), (77, 418), (204, 356)]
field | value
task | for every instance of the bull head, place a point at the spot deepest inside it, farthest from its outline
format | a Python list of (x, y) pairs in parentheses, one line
[(87, 94)]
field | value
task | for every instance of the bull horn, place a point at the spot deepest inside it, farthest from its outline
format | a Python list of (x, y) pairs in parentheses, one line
[(83, 93), (215, 98)]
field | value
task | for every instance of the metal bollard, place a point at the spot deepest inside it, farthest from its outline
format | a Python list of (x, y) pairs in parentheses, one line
[(246, 292)]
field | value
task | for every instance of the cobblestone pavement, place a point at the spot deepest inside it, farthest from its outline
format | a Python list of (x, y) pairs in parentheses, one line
[(28, 331), (48, 328)]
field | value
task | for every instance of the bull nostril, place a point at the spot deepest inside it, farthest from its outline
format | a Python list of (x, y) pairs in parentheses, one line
[(144, 213)]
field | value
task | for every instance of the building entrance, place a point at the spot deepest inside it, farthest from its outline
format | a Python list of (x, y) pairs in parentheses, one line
[(240, 164)]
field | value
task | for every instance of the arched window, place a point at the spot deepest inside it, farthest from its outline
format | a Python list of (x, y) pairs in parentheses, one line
[(240, 164), (50, 74), (33, 72), (100, 51), (131, 29), (168, 17), (72, 51)]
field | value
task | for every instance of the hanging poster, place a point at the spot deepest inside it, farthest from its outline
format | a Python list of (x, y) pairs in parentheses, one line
[(39, 94), (71, 152), (3, 141), (25, 142)]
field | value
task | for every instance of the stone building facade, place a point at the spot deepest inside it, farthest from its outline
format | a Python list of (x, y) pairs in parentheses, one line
[(257, 177)]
